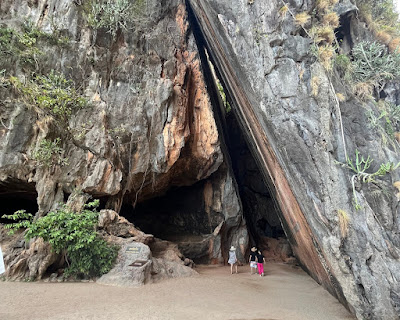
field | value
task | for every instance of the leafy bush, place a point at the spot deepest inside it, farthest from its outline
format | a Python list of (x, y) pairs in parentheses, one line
[(114, 15), (72, 234), (22, 45), (372, 62), (15, 45), (53, 93), (49, 153), (380, 15), (342, 62), (359, 166)]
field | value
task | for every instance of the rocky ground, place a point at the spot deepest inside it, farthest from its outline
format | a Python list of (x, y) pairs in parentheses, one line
[(284, 293)]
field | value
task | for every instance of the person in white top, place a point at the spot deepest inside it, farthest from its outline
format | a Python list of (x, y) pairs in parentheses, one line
[(232, 259)]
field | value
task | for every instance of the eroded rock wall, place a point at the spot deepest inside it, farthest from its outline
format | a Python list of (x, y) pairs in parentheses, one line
[(265, 63), (149, 124), (149, 118)]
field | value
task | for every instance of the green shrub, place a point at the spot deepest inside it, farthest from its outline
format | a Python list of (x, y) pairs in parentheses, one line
[(359, 166), (380, 15), (53, 94), (372, 63), (74, 235), (114, 15), (23, 45), (49, 153), (342, 62), (19, 46), (385, 118)]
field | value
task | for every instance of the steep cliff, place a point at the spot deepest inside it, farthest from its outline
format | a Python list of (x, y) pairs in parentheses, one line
[(140, 127), (118, 112), (300, 133)]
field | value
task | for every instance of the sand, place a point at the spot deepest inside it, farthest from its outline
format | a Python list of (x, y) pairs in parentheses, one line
[(285, 293)]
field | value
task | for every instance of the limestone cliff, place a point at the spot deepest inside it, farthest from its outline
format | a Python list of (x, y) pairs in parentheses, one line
[(148, 124), (153, 141), (300, 132)]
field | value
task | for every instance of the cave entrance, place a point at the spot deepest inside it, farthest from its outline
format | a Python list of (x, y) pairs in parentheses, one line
[(17, 195), (177, 216), (259, 208)]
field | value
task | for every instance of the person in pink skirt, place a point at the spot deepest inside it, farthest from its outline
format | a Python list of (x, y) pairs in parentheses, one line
[(260, 263)]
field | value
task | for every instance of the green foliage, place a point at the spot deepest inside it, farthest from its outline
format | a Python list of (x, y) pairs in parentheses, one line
[(53, 94), (372, 62), (23, 45), (343, 64), (113, 15), (393, 112), (16, 45), (6, 36), (359, 166), (381, 13), (73, 234), (23, 220), (223, 97), (49, 153), (360, 163), (386, 121)]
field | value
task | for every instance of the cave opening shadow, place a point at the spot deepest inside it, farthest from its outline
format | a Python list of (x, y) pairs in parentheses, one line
[(259, 208), (177, 216), (17, 195)]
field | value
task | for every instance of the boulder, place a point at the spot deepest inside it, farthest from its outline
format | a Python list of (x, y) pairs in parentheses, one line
[(132, 268)]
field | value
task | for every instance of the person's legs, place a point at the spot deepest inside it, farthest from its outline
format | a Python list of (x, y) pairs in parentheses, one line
[(253, 266), (262, 269), (231, 268), (259, 268)]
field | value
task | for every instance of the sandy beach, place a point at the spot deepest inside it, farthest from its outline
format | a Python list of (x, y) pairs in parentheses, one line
[(285, 293)]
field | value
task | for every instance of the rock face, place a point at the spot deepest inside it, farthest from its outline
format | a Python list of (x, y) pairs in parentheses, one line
[(27, 261), (265, 65), (136, 266), (142, 258), (149, 125), (150, 117), (150, 146)]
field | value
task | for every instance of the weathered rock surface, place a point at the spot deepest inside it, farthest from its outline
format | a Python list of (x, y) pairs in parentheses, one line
[(125, 273), (113, 224), (296, 139), (150, 118), (204, 219), (149, 125), (142, 258), (27, 261)]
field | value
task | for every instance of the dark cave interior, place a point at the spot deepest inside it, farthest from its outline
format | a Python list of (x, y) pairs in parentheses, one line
[(180, 215), (17, 195), (259, 208), (177, 214)]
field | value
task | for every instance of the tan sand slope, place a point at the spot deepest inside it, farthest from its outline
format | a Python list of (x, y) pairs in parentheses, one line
[(285, 293)]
